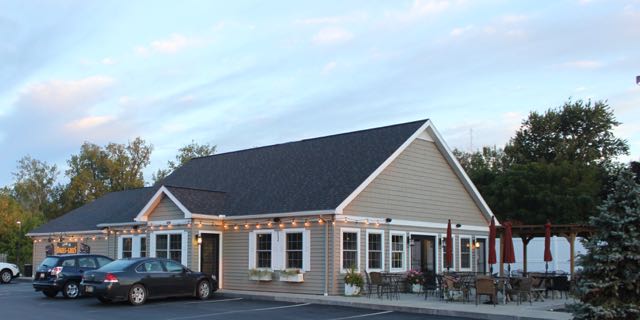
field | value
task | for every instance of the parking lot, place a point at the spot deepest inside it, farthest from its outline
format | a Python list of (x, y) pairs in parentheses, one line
[(19, 301)]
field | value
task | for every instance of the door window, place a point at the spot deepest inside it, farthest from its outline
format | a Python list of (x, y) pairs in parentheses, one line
[(173, 266), (87, 262), (102, 261)]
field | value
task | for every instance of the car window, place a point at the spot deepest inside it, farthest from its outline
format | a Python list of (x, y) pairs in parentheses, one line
[(49, 262), (102, 261), (150, 266), (118, 265), (86, 262), (173, 266), (69, 262)]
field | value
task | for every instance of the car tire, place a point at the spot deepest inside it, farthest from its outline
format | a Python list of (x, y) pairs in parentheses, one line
[(71, 290), (137, 295), (104, 300), (203, 290), (6, 276), (50, 293)]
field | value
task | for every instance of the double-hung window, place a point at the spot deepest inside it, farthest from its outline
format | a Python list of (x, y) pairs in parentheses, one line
[(263, 250), (170, 245), (132, 246), (375, 250), (127, 247), (294, 250), (465, 253), (398, 252), (350, 243)]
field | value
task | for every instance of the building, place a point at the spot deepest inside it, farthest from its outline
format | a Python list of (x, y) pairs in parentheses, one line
[(293, 217)]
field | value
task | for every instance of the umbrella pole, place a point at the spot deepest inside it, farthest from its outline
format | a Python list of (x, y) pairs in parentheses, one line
[(546, 267)]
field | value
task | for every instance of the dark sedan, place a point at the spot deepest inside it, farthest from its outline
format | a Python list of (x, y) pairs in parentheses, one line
[(136, 280)]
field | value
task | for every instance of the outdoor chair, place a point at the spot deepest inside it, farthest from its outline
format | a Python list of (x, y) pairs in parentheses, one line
[(432, 286), (368, 284), (524, 288), (453, 285), (486, 286), (381, 286), (559, 283)]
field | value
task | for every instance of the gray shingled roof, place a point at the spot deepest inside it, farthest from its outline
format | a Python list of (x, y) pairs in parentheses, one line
[(113, 207), (312, 174), (199, 201), (306, 175)]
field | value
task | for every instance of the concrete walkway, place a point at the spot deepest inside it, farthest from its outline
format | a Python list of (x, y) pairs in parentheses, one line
[(416, 304)]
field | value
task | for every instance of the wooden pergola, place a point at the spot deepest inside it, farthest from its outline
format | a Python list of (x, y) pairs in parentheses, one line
[(528, 232)]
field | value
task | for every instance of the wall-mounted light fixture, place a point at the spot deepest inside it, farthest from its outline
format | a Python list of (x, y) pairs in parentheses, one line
[(199, 239), (388, 220)]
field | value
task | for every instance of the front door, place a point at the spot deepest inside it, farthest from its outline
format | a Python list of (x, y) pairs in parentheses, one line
[(481, 256), (210, 254), (423, 255)]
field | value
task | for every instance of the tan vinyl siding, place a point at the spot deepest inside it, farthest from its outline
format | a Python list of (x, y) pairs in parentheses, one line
[(166, 210), (98, 246), (236, 264), (419, 185)]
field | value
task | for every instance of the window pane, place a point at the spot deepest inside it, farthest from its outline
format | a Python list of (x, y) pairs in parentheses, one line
[(375, 242), (294, 259), (396, 260), (143, 246), (86, 262), (264, 259), (349, 259), (173, 266), (127, 247), (294, 250), (264, 241), (350, 241), (375, 259), (294, 241), (161, 241), (263, 250), (176, 255), (375, 250), (397, 243), (102, 261), (176, 242)]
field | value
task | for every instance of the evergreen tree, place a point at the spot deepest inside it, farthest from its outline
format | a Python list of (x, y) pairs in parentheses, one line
[(609, 286)]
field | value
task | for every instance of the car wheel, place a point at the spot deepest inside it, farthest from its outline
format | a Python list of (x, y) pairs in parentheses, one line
[(5, 276), (71, 290), (137, 295), (50, 293), (104, 300), (203, 290)]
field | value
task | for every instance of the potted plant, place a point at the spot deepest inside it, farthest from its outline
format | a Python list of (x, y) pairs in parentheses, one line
[(260, 275), (353, 282), (291, 275), (415, 278)]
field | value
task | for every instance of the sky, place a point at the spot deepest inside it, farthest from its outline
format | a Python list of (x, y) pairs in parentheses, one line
[(241, 74)]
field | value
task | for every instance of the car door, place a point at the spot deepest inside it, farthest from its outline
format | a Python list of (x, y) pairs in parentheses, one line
[(86, 264), (179, 282), (154, 277)]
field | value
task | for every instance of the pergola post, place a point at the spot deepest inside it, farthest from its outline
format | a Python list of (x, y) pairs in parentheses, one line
[(572, 248), (501, 256), (525, 243)]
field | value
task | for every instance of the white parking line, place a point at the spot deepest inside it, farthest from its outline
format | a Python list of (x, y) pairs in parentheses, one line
[(239, 311), (362, 315), (213, 301)]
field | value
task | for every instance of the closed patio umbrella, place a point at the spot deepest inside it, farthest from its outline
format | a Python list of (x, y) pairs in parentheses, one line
[(492, 244), (509, 254), (449, 247), (547, 246)]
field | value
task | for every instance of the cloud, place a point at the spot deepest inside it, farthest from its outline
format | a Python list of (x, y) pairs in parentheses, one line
[(332, 36), (456, 32), (65, 94), (172, 44), (582, 64), (89, 122), (514, 18), (422, 8), (108, 61), (355, 17), (329, 67)]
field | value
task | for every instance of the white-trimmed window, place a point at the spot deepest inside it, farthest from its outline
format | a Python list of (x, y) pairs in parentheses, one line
[(397, 246), (132, 246), (350, 248), (375, 250), (280, 250), (464, 247), (170, 244)]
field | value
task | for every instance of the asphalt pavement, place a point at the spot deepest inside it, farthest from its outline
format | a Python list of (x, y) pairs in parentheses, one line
[(19, 301)]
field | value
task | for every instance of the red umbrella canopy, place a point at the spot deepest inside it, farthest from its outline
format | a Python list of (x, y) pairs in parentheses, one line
[(492, 241), (547, 242), (509, 254), (449, 247)]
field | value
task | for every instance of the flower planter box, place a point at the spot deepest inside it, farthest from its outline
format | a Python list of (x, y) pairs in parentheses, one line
[(299, 277), (351, 290), (416, 288), (261, 277)]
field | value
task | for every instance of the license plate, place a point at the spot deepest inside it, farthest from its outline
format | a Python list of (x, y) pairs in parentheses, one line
[(42, 276), (88, 289)]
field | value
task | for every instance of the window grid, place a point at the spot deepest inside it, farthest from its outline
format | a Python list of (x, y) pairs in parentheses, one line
[(143, 246), (465, 253), (397, 251), (294, 250), (127, 247), (169, 246), (375, 250), (263, 250), (350, 250)]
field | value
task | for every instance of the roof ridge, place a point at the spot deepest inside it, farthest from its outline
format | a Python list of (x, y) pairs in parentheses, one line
[(309, 139)]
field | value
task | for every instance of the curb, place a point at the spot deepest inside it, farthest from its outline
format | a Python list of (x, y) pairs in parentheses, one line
[(371, 306)]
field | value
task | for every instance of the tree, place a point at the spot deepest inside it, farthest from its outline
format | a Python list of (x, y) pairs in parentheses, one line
[(634, 166), (578, 131), (96, 171), (35, 186), (12, 235), (609, 285), (186, 153)]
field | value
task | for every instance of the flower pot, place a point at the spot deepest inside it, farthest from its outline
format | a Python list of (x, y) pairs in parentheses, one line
[(351, 290), (416, 288), (299, 277)]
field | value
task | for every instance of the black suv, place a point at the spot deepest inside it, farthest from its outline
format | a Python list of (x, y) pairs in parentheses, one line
[(64, 273)]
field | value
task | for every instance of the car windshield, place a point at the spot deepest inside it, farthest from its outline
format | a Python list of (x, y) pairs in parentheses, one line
[(118, 265), (49, 262)]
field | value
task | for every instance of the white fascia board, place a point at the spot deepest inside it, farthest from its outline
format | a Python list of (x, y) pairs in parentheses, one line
[(412, 223), (281, 215), (381, 168), (119, 224), (153, 202), (464, 178), (40, 234), (206, 216)]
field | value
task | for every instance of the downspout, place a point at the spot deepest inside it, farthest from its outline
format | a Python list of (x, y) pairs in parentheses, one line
[(326, 259)]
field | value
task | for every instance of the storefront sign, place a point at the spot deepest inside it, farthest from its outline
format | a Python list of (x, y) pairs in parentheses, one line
[(66, 248)]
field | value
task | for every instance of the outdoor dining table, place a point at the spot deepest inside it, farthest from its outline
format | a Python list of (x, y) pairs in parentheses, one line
[(393, 281)]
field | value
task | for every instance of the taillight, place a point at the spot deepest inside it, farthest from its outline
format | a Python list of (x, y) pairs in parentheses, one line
[(111, 278), (55, 271)]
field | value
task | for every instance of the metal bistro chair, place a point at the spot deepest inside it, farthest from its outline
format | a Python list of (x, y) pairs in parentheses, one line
[(524, 287), (559, 283), (379, 283), (368, 283), (486, 286), (432, 285)]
